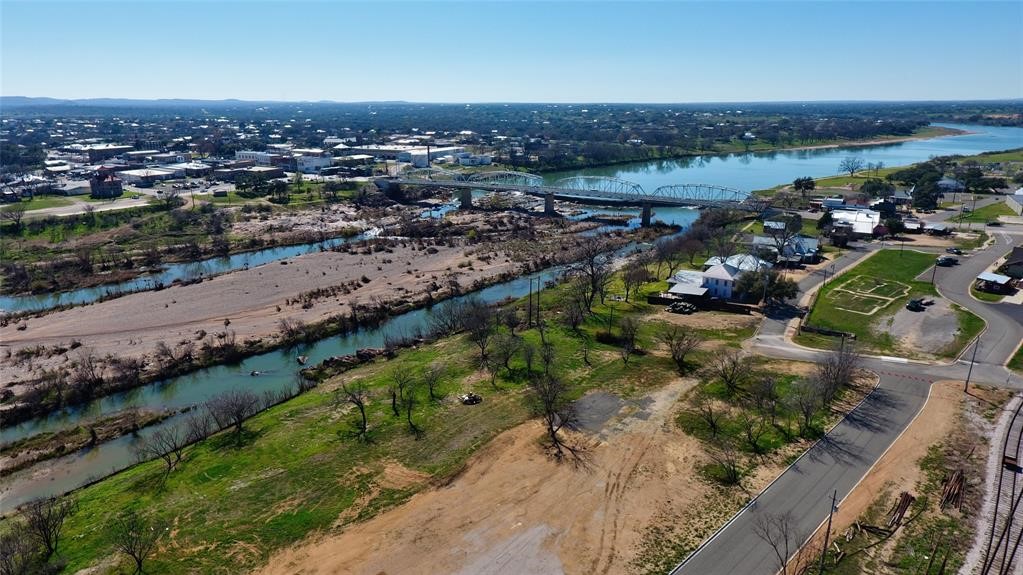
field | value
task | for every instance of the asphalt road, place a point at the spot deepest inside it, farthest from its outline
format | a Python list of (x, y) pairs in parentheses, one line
[(839, 461)]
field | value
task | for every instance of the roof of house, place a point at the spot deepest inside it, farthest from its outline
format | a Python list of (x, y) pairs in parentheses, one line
[(722, 272), (1015, 256), (994, 278), (741, 262), (799, 244), (861, 221), (687, 282)]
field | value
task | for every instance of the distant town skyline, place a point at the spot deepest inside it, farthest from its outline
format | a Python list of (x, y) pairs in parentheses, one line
[(551, 52)]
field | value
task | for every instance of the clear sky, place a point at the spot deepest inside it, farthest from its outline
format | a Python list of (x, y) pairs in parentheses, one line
[(513, 51)]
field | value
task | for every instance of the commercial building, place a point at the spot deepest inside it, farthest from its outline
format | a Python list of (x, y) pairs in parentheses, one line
[(192, 169), (860, 222), (100, 152), (260, 158), (105, 186), (148, 176)]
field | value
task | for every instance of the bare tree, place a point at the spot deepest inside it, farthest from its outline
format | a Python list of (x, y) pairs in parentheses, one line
[(680, 342), (805, 399), (726, 457), (410, 401), (510, 318), (573, 316), (232, 408), (722, 242), (633, 277), (709, 412), (18, 551), (45, 520), (629, 331), (166, 443), (479, 323), (432, 378), (356, 394), (136, 536), (782, 533), (550, 396), (15, 214), (754, 428), (504, 349), (401, 379), (689, 248), (198, 425), (594, 266), (733, 368), (835, 371), (851, 164), (764, 392)]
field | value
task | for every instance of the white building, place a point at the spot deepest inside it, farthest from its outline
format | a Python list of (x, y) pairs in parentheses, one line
[(718, 281), (261, 158), (862, 222)]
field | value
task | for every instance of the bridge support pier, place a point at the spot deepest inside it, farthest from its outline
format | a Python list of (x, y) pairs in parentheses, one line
[(548, 204), (647, 212), (465, 199)]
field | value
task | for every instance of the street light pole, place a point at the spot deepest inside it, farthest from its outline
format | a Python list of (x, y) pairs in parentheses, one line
[(827, 534), (966, 387), (934, 272)]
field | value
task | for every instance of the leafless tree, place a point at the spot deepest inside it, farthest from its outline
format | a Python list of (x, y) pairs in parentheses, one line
[(171, 199), (45, 520), (764, 392), (291, 328), (127, 370), (528, 355), (504, 349), (835, 371), (550, 396), (709, 412), (198, 425), (782, 533), (851, 164), (733, 368), (401, 379), (668, 253), (232, 408), (573, 315), (680, 343), (753, 427), (690, 247), (805, 399), (167, 443), (87, 373), (722, 242), (15, 214), (431, 379), (594, 266), (479, 322), (724, 454), (18, 551), (356, 393), (136, 536), (510, 318), (410, 400), (629, 331), (633, 277), (447, 318)]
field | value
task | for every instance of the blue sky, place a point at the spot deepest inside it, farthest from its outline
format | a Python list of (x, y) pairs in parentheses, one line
[(513, 51)]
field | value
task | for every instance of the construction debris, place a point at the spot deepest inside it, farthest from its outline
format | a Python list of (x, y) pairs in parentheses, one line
[(952, 490), (899, 511)]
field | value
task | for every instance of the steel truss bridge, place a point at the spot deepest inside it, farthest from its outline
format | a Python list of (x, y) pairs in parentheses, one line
[(587, 188)]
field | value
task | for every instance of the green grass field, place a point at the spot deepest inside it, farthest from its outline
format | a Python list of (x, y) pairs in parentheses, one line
[(40, 203), (985, 296), (892, 265), (985, 214), (809, 228), (1006, 156)]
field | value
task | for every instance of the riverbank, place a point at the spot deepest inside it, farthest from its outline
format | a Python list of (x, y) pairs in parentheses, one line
[(260, 309), (926, 134)]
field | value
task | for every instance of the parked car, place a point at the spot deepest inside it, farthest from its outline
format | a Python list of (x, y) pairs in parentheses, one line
[(994, 223), (955, 251), (915, 305), (946, 261)]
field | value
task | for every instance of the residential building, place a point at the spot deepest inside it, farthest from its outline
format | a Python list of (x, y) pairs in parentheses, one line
[(861, 223), (797, 249), (741, 262), (1013, 265)]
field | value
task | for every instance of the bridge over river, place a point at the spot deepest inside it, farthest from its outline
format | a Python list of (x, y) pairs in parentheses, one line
[(584, 188)]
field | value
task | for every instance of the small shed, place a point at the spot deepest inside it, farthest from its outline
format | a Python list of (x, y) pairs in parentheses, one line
[(994, 283)]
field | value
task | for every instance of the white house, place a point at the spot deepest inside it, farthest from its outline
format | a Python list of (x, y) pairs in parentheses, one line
[(717, 281)]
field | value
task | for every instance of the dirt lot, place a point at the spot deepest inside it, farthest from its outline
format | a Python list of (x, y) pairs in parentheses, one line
[(929, 331)]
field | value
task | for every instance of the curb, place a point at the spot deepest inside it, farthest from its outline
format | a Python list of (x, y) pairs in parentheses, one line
[(756, 497)]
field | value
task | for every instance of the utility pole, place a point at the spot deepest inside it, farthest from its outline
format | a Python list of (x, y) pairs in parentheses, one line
[(827, 534), (529, 306), (610, 319), (539, 282), (966, 387), (934, 272)]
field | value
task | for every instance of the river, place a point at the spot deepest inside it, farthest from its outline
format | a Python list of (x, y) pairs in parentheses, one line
[(762, 170)]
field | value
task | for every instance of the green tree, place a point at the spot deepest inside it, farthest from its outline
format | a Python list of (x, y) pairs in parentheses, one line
[(804, 185), (750, 286), (926, 191)]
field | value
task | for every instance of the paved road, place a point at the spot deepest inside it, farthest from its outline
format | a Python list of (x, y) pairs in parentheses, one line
[(839, 461), (80, 207)]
